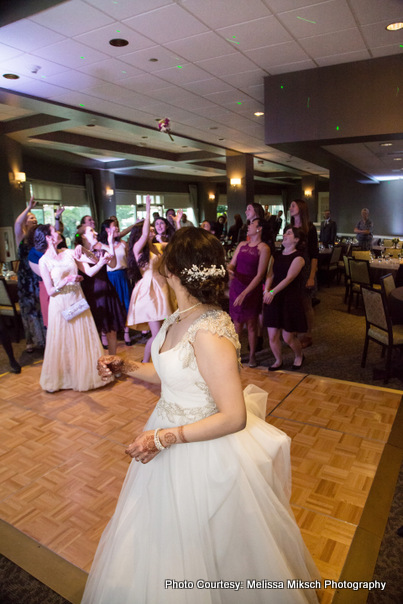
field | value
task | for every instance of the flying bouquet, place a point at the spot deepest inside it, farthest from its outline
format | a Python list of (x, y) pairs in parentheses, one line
[(164, 125)]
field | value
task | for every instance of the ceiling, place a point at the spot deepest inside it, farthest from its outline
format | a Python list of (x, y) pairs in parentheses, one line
[(201, 63)]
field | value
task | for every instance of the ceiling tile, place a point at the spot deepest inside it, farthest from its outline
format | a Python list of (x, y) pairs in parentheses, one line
[(220, 13), (71, 54), (245, 79), (257, 33), (111, 70), (371, 11), (184, 74), (27, 35), (295, 66), (285, 5), (203, 46), (318, 19), (256, 92), (27, 64), (377, 35), (33, 87), (118, 93), (123, 10), (279, 54), (207, 86), (63, 18), (73, 80), (227, 65), (359, 55), (166, 24), (141, 59), (325, 45), (99, 39), (384, 51), (145, 83)]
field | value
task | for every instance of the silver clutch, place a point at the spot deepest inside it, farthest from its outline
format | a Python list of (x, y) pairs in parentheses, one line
[(75, 309)]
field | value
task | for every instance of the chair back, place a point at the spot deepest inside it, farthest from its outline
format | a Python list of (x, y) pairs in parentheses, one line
[(361, 255), (375, 308), (348, 249), (387, 284), (387, 242), (335, 256), (7, 306), (393, 252), (359, 271), (346, 266)]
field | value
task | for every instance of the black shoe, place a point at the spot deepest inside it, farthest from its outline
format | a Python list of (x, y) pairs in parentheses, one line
[(15, 367), (298, 367), (275, 368)]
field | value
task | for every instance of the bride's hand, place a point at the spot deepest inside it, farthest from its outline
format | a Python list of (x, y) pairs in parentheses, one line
[(108, 365), (143, 447)]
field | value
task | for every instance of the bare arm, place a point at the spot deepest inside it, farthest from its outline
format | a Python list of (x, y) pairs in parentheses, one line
[(20, 222), (92, 269), (232, 265), (138, 246), (311, 278), (295, 268), (110, 364)]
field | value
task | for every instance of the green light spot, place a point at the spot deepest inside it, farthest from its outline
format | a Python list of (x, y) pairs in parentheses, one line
[(281, 87), (118, 31), (180, 66), (81, 105), (123, 71), (397, 91), (232, 41), (307, 104), (239, 102), (302, 19), (401, 45), (82, 57), (337, 127)]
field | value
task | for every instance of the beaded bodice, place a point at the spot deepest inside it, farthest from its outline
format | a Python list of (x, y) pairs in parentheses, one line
[(185, 396)]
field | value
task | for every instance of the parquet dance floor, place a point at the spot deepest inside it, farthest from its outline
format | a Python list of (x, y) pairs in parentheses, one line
[(62, 463)]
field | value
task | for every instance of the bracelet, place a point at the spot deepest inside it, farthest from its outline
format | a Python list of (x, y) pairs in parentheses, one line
[(157, 441)]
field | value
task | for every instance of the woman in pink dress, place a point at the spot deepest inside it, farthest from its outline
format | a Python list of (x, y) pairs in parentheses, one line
[(150, 301)]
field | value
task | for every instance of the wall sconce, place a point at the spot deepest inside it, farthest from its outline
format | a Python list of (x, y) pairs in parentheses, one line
[(308, 192), (109, 192), (211, 197), (235, 182), (17, 178)]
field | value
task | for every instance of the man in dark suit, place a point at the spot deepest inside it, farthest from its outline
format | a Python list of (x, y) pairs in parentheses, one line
[(275, 223), (328, 230)]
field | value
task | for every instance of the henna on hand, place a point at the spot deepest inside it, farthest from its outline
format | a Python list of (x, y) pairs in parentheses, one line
[(129, 366), (149, 444), (181, 435), (168, 439)]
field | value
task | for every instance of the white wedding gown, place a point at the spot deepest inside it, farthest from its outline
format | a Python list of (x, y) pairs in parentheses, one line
[(212, 511)]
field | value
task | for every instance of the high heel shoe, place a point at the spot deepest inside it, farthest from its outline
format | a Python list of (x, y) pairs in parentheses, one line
[(295, 367), (128, 340)]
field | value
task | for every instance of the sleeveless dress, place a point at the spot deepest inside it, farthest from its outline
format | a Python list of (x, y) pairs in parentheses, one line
[(118, 276), (106, 308), (203, 511), (246, 270), (286, 311), (28, 297), (150, 300), (72, 347)]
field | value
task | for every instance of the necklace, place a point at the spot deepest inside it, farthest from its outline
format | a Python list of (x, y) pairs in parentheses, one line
[(180, 312)]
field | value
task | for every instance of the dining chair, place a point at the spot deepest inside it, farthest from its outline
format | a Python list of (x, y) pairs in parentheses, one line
[(359, 275), (379, 327), (8, 308), (361, 255), (387, 284), (393, 252), (333, 267), (387, 242)]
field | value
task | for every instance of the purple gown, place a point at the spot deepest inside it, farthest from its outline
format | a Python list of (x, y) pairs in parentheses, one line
[(246, 269)]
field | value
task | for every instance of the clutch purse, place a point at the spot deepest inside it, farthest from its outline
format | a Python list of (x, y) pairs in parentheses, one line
[(75, 309)]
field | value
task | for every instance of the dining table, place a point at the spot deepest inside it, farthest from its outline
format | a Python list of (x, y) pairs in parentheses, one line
[(395, 303), (383, 266)]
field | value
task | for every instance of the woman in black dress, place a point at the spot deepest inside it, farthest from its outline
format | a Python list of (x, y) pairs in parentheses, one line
[(283, 308)]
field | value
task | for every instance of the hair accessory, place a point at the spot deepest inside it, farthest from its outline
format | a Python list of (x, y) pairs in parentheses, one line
[(195, 273)]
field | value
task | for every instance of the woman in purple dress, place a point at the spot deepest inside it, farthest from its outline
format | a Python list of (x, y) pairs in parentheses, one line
[(248, 268)]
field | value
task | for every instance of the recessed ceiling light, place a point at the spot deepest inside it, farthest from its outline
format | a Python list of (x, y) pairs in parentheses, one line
[(385, 144), (118, 42), (11, 76), (153, 60), (394, 26), (258, 113), (221, 139)]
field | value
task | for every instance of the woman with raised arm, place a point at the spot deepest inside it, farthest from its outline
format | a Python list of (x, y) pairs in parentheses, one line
[(107, 310), (70, 344), (28, 282), (150, 303), (206, 508)]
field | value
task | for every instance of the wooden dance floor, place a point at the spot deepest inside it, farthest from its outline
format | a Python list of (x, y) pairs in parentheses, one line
[(63, 464)]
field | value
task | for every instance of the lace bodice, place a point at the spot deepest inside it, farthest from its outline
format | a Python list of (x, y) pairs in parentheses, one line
[(185, 397), (60, 267)]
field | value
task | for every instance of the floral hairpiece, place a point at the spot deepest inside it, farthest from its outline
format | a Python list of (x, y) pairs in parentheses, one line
[(195, 273)]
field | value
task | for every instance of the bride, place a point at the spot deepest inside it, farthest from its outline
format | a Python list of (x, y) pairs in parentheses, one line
[(203, 516)]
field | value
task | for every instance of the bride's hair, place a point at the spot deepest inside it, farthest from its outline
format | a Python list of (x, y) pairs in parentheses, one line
[(197, 258), (39, 237)]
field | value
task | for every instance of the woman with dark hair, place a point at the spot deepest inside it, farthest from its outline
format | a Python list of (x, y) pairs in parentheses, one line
[(209, 499), (70, 345), (300, 218), (248, 268), (150, 301), (163, 230), (28, 282), (106, 308), (117, 274), (283, 309)]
